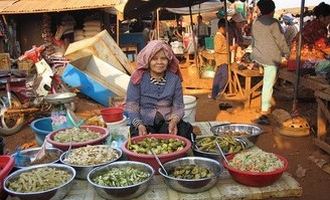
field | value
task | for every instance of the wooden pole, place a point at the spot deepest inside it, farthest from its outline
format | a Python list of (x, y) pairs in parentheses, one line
[(117, 27), (158, 24), (229, 82), (298, 61)]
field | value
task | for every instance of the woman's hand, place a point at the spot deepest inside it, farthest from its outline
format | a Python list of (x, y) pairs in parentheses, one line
[(172, 127), (142, 130)]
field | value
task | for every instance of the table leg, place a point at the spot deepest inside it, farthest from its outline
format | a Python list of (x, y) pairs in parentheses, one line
[(247, 92), (238, 84)]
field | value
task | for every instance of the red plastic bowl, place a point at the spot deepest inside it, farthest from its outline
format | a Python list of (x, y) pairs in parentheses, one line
[(6, 165), (256, 179), (150, 159), (112, 114), (65, 146)]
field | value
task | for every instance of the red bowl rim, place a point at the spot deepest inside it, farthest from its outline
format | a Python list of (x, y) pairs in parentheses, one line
[(74, 144), (114, 110), (157, 135), (277, 171)]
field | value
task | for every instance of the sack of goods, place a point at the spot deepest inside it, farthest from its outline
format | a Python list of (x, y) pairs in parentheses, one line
[(78, 35), (91, 28)]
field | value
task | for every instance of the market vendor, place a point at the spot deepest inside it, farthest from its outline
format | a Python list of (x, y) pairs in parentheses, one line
[(315, 43), (154, 100)]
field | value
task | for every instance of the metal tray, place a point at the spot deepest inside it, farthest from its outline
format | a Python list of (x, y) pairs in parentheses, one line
[(252, 130), (60, 98)]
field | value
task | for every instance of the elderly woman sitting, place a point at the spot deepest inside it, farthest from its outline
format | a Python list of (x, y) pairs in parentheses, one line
[(154, 96)]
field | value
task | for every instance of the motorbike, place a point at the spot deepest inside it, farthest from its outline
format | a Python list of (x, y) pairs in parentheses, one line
[(22, 96)]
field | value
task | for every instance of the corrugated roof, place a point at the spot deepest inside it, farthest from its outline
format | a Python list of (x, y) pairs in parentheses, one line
[(38, 6)]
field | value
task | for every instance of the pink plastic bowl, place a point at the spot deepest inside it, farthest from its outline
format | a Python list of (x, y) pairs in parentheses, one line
[(256, 179), (112, 114), (150, 159), (64, 146)]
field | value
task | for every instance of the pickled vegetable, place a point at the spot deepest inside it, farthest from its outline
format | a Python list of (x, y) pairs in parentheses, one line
[(38, 180), (159, 146), (76, 135), (120, 177), (191, 172), (228, 144)]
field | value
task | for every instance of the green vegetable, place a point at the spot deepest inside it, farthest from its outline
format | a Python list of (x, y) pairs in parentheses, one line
[(159, 146), (191, 172), (120, 177)]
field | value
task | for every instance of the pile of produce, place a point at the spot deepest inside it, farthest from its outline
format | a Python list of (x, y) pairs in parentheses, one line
[(76, 135), (191, 172), (38, 180), (159, 146), (256, 160), (121, 177), (228, 144), (91, 155)]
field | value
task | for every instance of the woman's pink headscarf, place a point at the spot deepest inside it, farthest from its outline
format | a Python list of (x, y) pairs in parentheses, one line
[(148, 52)]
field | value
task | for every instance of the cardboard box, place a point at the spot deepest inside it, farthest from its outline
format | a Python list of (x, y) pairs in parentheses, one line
[(96, 79)]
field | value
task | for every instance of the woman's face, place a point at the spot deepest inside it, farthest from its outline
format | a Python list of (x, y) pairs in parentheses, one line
[(158, 63)]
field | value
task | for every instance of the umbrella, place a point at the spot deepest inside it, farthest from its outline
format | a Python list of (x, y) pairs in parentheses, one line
[(136, 8)]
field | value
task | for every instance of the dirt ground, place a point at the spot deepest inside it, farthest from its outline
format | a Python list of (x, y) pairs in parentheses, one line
[(299, 151)]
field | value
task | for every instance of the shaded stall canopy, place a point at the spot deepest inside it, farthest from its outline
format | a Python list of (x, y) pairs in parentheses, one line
[(137, 8), (42, 6), (209, 6)]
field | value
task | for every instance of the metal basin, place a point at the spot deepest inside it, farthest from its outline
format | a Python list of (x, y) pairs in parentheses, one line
[(60, 98), (120, 193), (251, 131), (82, 171), (56, 193), (31, 153), (192, 185)]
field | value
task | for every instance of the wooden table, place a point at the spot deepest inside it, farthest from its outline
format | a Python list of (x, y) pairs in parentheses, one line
[(323, 120), (207, 57), (310, 82), (249, 90), (322, 95)]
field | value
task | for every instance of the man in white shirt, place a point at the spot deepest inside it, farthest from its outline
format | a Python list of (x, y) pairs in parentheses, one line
[(201, 30)]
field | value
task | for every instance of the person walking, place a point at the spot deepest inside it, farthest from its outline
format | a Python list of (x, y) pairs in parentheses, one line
[(268, 48)]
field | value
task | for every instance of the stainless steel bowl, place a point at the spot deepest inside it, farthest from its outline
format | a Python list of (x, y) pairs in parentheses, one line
[(60, 98), (32, 153), (120, 193), (190, 185), (253, 130), (82, 171), (213, 155), (56, 193)]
